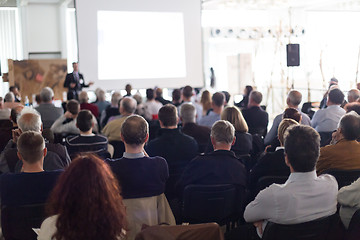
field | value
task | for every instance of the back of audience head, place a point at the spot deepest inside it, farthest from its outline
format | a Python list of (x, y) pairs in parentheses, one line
[(222, 135), (101, 95), (84, 121), (218, 100), (103, 207), (349, 126), (14, 89), (248, 90), (353, 95), (135, 130), (150, 94), (168, 116), (29, 120), (255, 98), (73, 107), (294, 98), (138, 98), (284, 124), (187, 92), (227, 97), (127, 106), (336, 96), (302, 148), (235, 117), (292, 113), (205, 97), (31, 147), (158, 92), (176, 95), (187, 113), (115, 98), (354, 106), (83, 97), (46, 95), (15, 113), (9, 97)]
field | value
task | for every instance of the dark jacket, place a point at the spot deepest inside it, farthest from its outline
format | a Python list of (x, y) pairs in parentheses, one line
[(256, 119), (200, 133)]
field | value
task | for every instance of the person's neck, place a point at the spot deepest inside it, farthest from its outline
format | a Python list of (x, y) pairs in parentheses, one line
[(292, 106), (187, 99), (222, 146), (253, 105), (126, 114), (32, 168), (87, 132), (134, 148), (169, 127), (329, 103)]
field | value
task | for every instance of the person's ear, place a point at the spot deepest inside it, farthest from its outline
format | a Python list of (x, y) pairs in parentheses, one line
[(122, 138), (177, 121), (19, 156), (233, 142), (147, 137), (45, 152), (287, 160), (213, 142), (161, 124)]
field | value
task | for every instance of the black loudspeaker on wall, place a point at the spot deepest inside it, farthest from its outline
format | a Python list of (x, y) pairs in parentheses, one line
[(293, 55)]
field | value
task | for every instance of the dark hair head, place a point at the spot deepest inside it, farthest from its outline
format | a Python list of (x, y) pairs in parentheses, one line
[(336, 96), (87, 195), (84, 120), (15, 113), (218, 99), (302, 147), (176, 95), (73, 106), (248, 90), (354, 106), (187, 91), (159, 92), (227, 96), (31, 146), (292, 113), (350, 126), (150, 93), (168, 115), (134, 130)]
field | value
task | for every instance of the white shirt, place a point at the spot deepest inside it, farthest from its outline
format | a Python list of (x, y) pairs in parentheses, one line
[(349, 199), (303, 197), (327, 119), (152, 108)]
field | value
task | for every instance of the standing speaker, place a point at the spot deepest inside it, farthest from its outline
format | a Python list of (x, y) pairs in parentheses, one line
[(293, 55)]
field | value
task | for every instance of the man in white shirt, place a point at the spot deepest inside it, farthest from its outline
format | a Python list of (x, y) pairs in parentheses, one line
[(304, 197), (152, 106)]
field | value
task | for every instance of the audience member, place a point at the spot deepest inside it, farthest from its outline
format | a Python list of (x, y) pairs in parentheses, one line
[(271, 163), (354, 106), (9, 101), (304, 197), (217, 104), (205, 102), (15, 91), (326, 120), (101, 102), (4, 112), (353, 95), (49, 113), (333, 83), (159, 96), (187, 93), (85, 204), (218, 167), (140, 175), (177, 148), (14, 114), (188, 118), (112, 130), (140, 108), (344, 152), (349, 200), (227, 98), (151, 105), (57, 156), (128, 89), (243, 140), (74, 82), (84, 104), (87, 141), (256, 118), (245, 101), (176, 97), (66, 124), (293, 101), (32, 185), (112, 110)]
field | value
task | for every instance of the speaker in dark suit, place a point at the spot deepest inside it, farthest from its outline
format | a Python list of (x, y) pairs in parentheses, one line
[(293, 55), (74, 82)]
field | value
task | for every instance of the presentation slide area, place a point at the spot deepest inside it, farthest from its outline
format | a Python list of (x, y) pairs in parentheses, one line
[(134, 45)]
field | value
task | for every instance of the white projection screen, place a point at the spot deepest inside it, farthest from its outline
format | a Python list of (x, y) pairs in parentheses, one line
[(141, 42)]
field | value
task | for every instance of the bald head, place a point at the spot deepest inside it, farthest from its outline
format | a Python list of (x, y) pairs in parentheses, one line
[(294, 98), (128, 106), (83, 97), (29, 120)]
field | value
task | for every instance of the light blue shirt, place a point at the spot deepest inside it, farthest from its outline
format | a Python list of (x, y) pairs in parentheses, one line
[(209, 119), (303, 197), (327, 119)]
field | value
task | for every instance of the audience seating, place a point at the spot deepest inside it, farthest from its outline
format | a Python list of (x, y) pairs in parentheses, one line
[(5, 132), (353, 232), (212, 203), (325, 138), (319, 229), (344, 177), (119, 148), (247, 161), (17, 221), (207, 231)]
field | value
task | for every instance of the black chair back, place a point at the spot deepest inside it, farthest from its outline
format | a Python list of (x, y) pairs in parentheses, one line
[(266, 181), (325, 138), (17, 221), (319, 229), (246, 160), (119, 148), (5, 132), (344, 177), (353, 232), (210, 203)]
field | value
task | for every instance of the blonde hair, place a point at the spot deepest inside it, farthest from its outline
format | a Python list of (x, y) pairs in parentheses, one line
[(206, 100), (235, 117), (284, 124)]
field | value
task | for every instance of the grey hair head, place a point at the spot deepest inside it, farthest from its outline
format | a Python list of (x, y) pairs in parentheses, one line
[(46, 94), (29, 120)]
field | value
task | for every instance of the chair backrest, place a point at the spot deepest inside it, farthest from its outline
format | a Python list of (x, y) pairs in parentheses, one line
[(344, 177), (17, 221), (119, 148), (353, 232), (5, 132), (325, 138), (246, 160), (210, 203), (319, 229), (266, 181)]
